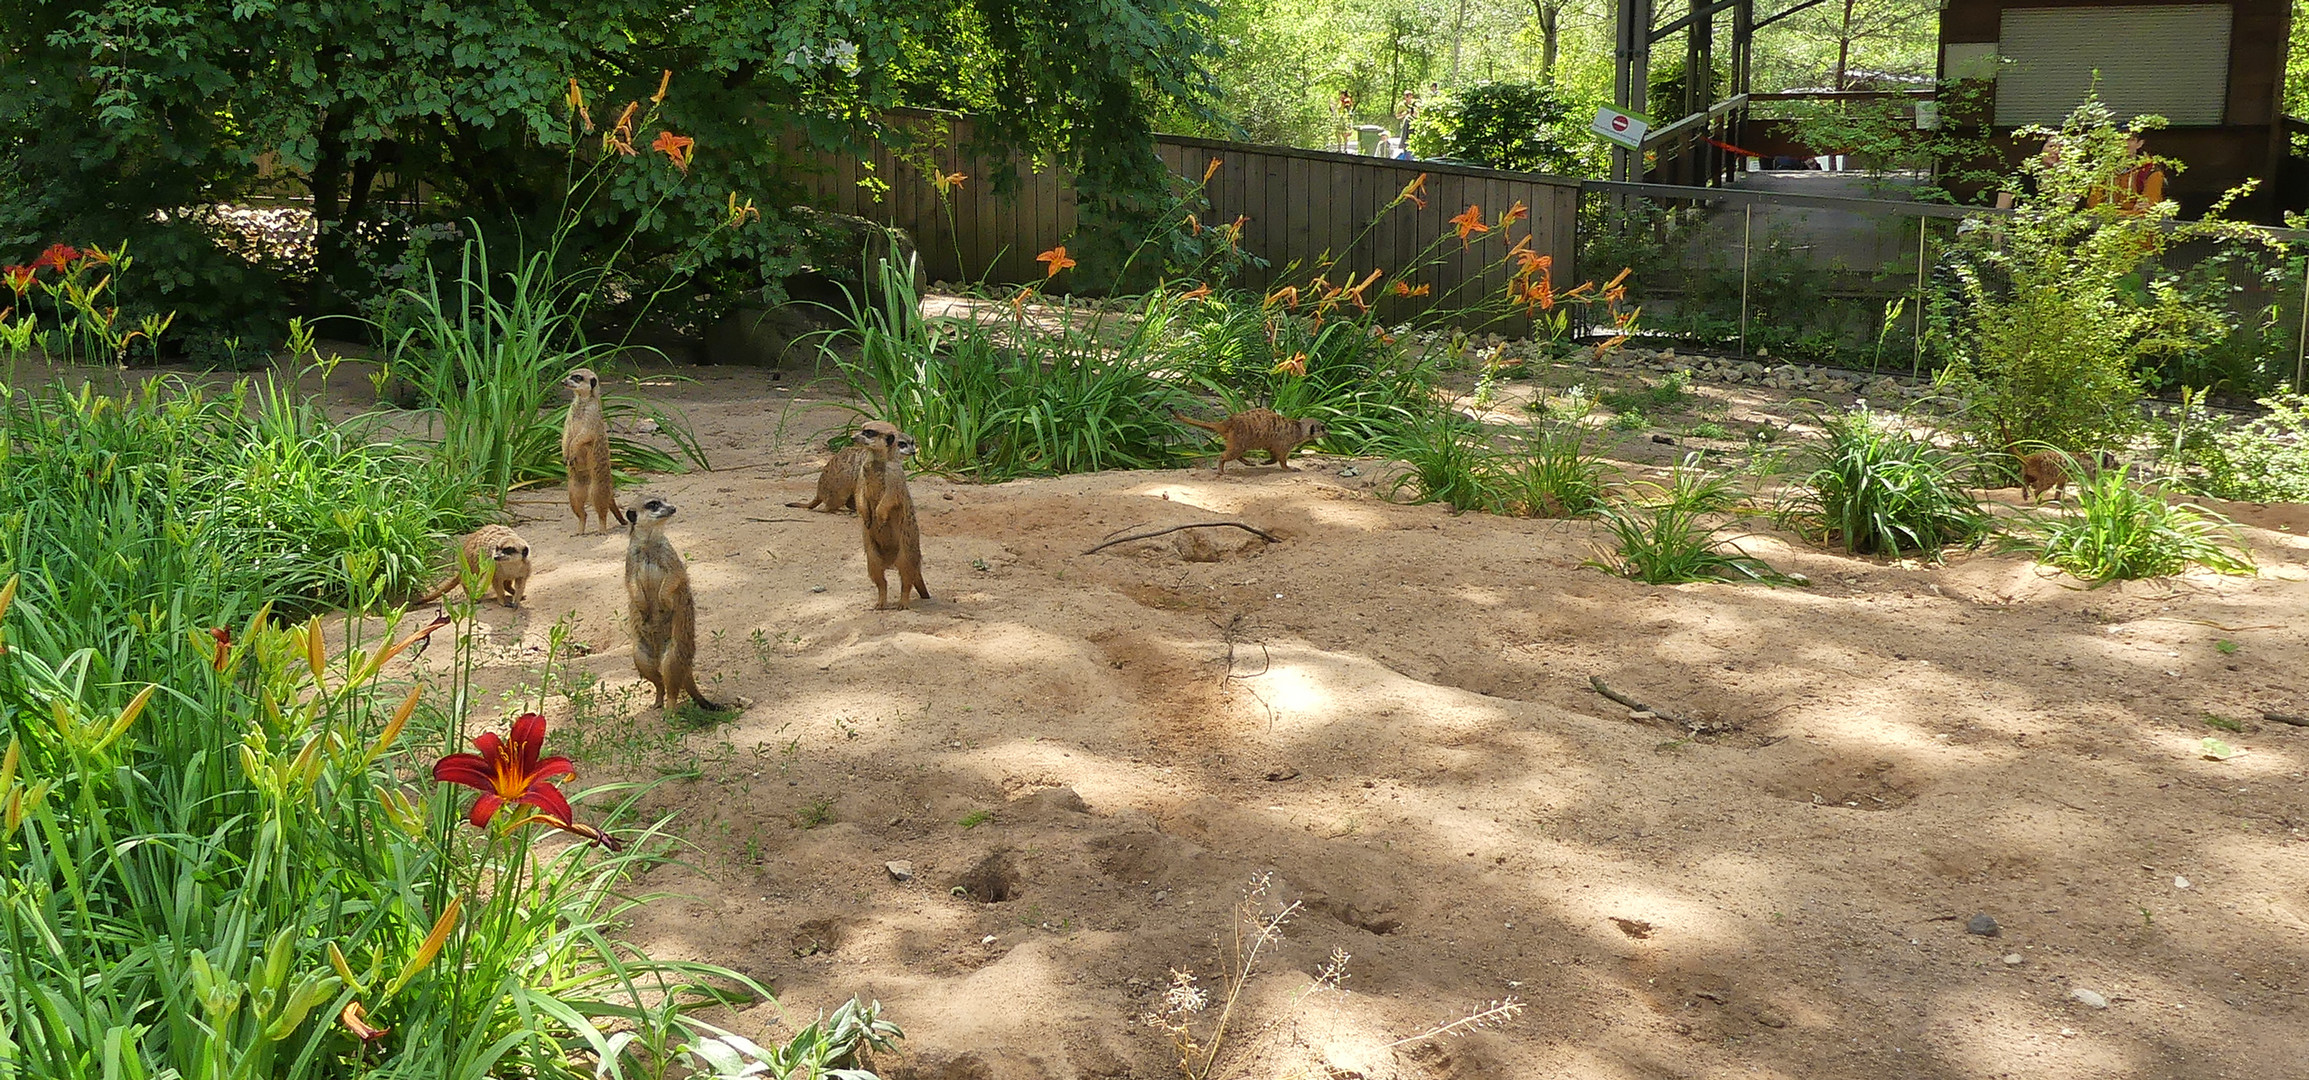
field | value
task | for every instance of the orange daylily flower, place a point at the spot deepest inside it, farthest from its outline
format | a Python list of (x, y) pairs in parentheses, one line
[(1057, 259), (57, 255), (676, 148), (576, 100), (1197, 293), (739, 215), (511, 771), (1528, 261), (620, 136), (1515, 213), (356, 1020), (1416, 191), (1194, 227), (664, 79), (1613, 290), (224, 646), (1296, 365), (946, 182), (18, 278), (1210, 170), (1288, 294), (97, 255), (1404, 288), (1469, 223), (1355, 292)]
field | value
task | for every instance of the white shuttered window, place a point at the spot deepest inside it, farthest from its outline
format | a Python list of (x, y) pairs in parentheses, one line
[(2171, 60)]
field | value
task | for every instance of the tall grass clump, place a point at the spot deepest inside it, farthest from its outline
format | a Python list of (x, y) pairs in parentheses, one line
[(1340, 371), (1883, 492), (222, 850), (1016, 393), (1444, 456), (487, 351), (2122, 530), (1558, 475), (1669, 537)]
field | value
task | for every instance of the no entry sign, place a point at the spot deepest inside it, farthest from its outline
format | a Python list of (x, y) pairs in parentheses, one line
[(1624, 128)]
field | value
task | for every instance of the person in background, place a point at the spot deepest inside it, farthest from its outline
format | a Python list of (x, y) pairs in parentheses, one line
[(1406, 111), (1342, 121), (2132, 190)]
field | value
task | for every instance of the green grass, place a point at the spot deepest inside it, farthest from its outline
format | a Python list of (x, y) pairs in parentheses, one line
[(1444, 459), (975, 818), (1556, 476), (1667, 539), (208, 854), (487, 351), (1001, 398), (1360, 386), (2122, 530), (1883, 492)]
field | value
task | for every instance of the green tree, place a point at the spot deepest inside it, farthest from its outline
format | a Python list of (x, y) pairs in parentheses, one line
[(120, 112), (1503, 125)]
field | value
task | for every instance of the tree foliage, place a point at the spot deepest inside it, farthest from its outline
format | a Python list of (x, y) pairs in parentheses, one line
[(120, 110), (1518, 126)]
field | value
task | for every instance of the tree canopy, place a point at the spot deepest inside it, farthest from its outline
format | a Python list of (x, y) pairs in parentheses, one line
[(127, 111)]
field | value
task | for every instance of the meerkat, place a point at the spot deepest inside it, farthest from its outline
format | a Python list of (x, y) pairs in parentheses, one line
[(503, 554), (585, 450), (886, 515), (2041, 472), (664, 614), (1260, 429), (838, 483)]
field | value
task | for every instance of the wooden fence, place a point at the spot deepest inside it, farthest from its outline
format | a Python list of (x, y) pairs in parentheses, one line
[(1297, 208)]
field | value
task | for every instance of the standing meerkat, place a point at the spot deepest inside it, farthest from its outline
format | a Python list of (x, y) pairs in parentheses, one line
[(838, 482), (585, 450), (503, 555), (664, 614), (1260, 429), (886, 515)]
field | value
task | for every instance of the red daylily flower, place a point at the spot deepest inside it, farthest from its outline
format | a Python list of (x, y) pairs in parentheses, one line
[(1469, 223), (511, 771), (224, 646), (18, 277), (1057, 259), (676, 148), (57, 255)]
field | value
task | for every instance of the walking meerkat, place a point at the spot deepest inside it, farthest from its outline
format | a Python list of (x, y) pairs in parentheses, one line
[(664, 614), (838, 483), (497, 551), (886, 515), (2048, 470), (585, 450), (1260, 429)]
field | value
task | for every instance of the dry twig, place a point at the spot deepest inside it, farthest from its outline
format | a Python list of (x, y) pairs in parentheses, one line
[(1259, 532)]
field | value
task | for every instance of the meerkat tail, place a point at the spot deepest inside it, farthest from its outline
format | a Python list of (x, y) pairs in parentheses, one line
[(699, 699), (1204, 424), (437, 593)]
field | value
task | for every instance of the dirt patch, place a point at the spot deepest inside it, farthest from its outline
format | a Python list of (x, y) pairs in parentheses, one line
[(1387, 718)]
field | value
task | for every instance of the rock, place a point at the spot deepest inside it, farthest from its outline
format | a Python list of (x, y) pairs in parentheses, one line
[(2012, 959), (1983, 925), (2180, 883), (1664, 440), (765, 337), (1642, 716), (900, 870), (1771, 1019), (2088, 999)]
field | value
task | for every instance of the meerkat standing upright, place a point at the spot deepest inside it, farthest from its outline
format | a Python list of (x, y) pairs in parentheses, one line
[(664, 613), (585, 450), (886, 515)]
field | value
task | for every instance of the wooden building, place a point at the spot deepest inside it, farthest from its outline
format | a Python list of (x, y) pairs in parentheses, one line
[(2215, 71)]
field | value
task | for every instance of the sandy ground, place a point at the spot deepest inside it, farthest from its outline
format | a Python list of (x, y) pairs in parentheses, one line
[(1089, 759)]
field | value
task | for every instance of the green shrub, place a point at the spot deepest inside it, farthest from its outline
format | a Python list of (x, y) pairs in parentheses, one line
[(2265, 459), (1525, 127), (1884, 492), (1447, 460), (1666, 539), (1556, 476), (1360, 386), (2122, 530)]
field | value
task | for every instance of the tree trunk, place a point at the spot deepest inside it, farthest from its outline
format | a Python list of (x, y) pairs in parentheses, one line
[(330, 247), (1550, 38), (1843, 46)]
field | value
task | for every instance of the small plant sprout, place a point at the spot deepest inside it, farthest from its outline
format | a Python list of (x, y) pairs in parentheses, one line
[(2225, 647), (975, 818)]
